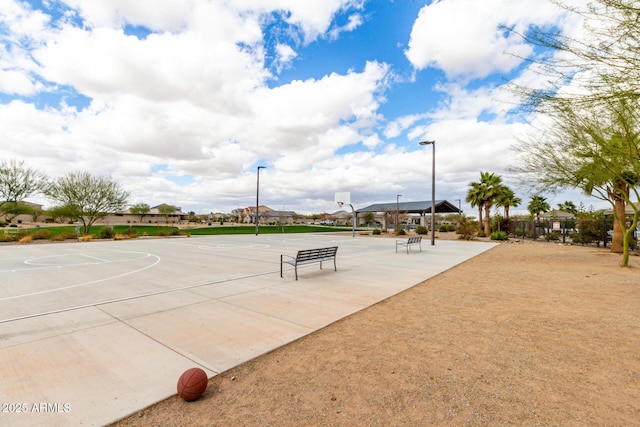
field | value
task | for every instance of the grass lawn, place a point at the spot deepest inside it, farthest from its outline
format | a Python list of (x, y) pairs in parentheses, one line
[(69, 232)]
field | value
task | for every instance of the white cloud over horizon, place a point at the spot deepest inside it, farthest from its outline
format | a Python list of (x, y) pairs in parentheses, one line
[(179, 101)]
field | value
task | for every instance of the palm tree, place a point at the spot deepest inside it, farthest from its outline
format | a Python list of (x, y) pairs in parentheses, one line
[(568, 206), (538, 205), (491, 187), (484, 194), (474, 197), (507, 199)]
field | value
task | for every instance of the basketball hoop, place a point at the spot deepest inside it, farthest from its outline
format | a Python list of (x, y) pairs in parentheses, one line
[(340, 204)]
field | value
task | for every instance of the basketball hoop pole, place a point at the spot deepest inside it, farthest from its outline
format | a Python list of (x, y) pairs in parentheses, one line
[(258, 197), (353, 219)]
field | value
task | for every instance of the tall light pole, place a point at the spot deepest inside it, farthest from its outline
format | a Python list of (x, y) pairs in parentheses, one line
[(433, 189), (459, 207), (258, 197), (397, 211)]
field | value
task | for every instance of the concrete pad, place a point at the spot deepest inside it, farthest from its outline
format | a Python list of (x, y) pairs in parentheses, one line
[(91, 332), (220, 335), (88, 377), (299, 305)]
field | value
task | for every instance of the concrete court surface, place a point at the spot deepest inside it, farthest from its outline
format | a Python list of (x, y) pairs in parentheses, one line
[(92, 332)]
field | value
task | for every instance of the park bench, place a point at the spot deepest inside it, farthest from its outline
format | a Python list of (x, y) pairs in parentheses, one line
[(309, 256), (409, 242)]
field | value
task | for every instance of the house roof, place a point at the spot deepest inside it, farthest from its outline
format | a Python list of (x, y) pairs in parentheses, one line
[(441, 206), (555, 213), (277, 213), (628, 210)]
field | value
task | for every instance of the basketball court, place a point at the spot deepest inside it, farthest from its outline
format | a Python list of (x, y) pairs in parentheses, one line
[(92, 332)]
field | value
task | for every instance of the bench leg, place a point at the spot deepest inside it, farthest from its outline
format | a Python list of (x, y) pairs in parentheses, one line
[(295, 267), (335, 268), (281, 266)]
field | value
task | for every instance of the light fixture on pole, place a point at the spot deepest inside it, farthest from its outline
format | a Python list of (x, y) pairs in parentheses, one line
[(397, 212), (258, 197), (433, 189)]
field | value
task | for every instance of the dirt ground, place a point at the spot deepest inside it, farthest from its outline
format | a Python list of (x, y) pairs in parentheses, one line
[(526, 334)]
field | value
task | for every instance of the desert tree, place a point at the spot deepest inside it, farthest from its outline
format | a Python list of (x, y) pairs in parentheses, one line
[(17, 182), (597, 151), (166, 211), (600, 64), (60, 214), (587, 136), (140, 210), (10, 210), (88, 198), (369, 218)]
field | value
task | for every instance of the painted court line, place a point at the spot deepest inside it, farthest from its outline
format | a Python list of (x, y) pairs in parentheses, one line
[(91, 282)]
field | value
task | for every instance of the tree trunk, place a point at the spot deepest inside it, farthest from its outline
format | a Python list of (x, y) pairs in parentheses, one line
[(617, 241), (480, 215), (487, 220)]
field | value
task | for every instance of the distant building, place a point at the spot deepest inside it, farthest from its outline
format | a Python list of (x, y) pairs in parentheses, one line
[(35, 217), (412, 212), (557, 214), (153, 217)]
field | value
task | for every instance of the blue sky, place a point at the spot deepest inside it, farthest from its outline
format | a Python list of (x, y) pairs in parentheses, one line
[(181, 100)]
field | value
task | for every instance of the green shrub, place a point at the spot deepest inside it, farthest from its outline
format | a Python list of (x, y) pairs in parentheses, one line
[(66, 235), (552, 236), (3, 224), (131, 232), (106, 233), (421, 229), (41, 235), (451, 227), (8, 237), (376, 232), (499, 235), (69, 235), (467, 228), (443, 229)]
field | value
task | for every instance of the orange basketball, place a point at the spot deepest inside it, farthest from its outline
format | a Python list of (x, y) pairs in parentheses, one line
[(192, 384)]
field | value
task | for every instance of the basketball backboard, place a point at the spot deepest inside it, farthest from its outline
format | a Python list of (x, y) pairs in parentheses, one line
[(342, 198)]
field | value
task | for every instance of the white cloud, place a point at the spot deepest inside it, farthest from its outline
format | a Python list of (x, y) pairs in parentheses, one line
[(194, 99), (313, 18), (15, 82), (465, 38), (165, 15), (353, 22), (285, 54)]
